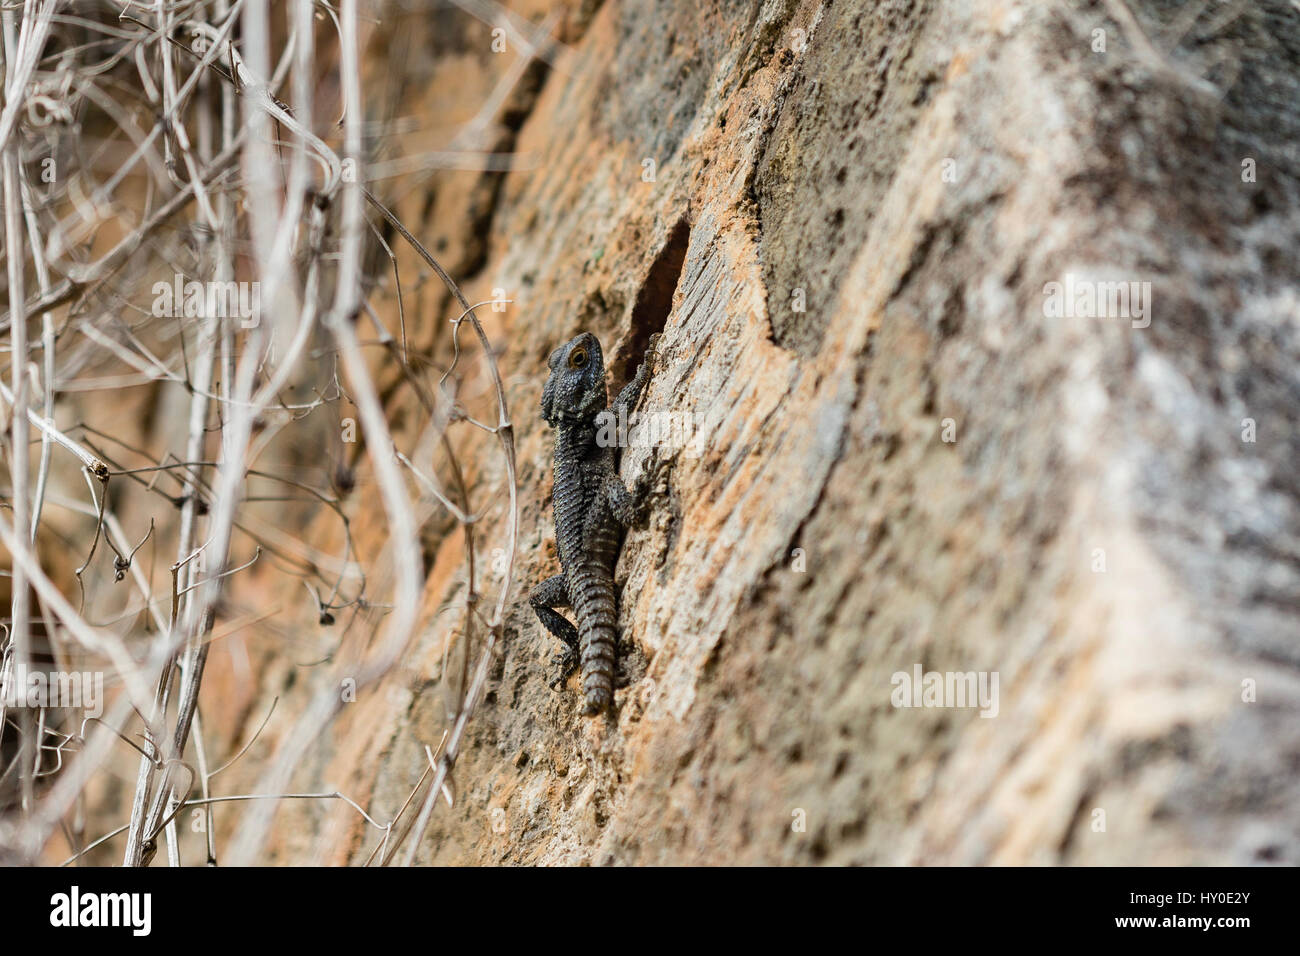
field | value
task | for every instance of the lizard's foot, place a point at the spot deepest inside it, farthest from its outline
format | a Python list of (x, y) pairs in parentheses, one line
[(646, 492), (652, 489), (659, 475), (566, 664), (621, 677), (629, 664)]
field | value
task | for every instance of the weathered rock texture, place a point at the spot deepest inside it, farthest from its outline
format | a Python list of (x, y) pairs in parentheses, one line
[(1099, 533)]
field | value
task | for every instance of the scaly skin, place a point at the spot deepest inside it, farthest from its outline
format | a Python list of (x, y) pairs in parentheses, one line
[(591, 508)]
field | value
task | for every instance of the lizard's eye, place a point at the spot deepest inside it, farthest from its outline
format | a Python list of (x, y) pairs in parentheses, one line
[(578, 358)]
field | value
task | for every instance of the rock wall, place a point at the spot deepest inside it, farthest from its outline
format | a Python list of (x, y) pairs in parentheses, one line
[(904, 457)]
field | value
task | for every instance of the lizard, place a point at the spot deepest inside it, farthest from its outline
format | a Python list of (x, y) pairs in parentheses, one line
[(591, 506)]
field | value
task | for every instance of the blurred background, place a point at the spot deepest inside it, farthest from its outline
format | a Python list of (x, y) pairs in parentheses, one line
[(281, 281)]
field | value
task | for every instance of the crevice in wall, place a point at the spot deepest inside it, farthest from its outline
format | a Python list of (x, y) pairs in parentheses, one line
[(654, 302)]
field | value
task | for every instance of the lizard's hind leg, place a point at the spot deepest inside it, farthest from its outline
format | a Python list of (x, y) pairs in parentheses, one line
[(544, 599)]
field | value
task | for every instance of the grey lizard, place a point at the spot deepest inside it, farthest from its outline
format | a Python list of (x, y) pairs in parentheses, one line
[(591, 508)]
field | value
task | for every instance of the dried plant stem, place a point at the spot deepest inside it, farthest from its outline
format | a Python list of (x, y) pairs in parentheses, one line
[(176, 158), (20, 62)]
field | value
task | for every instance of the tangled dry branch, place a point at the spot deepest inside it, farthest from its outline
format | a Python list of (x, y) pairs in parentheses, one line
[(186, 225)]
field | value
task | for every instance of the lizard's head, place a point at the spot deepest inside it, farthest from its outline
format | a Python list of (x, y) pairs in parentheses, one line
[(575, 390)]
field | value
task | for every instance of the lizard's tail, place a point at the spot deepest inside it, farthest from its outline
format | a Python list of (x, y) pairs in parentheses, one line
[(591, 593), (598, 668)]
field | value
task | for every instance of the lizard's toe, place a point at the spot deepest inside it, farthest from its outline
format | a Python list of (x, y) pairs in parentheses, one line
[(657, 486), (566, 665)]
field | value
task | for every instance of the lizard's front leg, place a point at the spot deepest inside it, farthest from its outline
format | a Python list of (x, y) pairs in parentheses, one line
[(630, 506), (631, 392)]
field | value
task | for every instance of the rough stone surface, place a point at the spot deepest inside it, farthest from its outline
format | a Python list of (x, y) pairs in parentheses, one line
[(1098, 533)]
